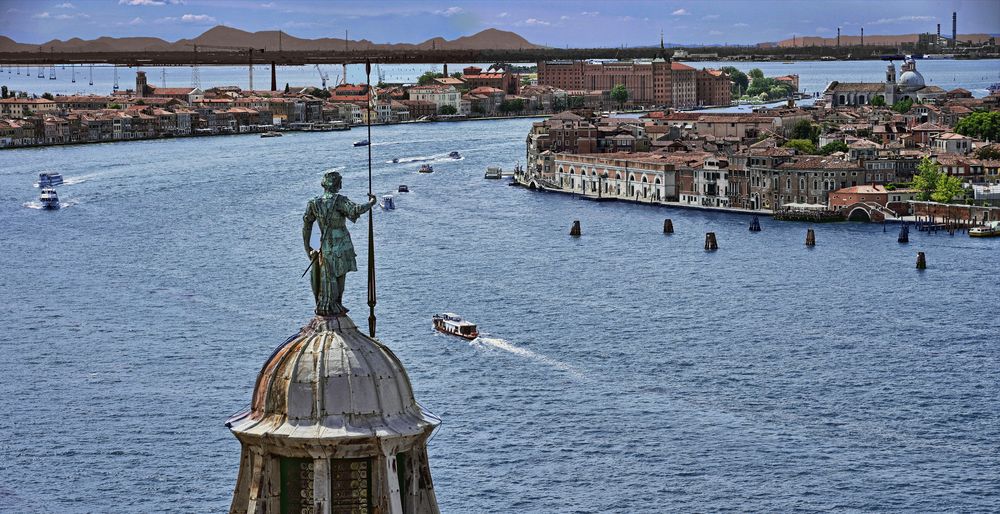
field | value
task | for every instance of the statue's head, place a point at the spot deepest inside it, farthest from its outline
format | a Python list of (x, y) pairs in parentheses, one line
[(332, 181)]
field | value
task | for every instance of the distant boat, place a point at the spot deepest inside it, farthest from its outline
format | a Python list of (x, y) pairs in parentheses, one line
[(49, 179), (271, 133), (426, 168), (363, 142), (49, 199), (388, 203), (991, 229), (494, 172), (403, 188), (395, 160), (453, 324), (455, 155)]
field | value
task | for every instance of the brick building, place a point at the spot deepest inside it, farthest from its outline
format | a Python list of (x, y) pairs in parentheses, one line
[(713, 87)]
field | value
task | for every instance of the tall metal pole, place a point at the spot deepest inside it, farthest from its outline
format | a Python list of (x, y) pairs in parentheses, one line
[(371, 227)]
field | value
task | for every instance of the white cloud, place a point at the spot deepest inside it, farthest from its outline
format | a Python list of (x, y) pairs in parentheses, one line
[(41, 15), (267, 5), (451, 11), (197, 18), (680, 12), (626, 18), (134, 21), (589, 13), (534, 22), (902, 19), (710, 17), (564, 17), (714, 33), (503, 15), (741, 24), (66, 5), (71, 16), (150, 2)]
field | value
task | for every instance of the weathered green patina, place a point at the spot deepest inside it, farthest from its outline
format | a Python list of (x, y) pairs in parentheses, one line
[(335, 258)]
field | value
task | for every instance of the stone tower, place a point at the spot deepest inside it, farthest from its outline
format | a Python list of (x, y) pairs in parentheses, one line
[(141, 86), (333, 428)]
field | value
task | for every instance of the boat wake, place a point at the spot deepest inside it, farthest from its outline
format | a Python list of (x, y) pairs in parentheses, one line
[(38, 205), (507, 346), (441, 157)]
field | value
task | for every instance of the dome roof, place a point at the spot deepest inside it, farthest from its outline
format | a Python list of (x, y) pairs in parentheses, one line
[(911, 80), (330, 381)]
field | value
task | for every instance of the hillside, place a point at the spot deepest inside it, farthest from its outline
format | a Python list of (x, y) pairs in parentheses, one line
[(222, 36)]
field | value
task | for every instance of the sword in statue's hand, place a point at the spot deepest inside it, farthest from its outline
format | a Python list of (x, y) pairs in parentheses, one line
[(316, 256)]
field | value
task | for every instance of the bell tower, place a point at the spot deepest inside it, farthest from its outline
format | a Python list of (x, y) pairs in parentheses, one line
[(890, 84)]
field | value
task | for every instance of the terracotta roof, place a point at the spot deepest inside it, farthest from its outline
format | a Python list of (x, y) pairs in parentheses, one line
[(676, 66), (172, 90), (871, 87), (818, 163)]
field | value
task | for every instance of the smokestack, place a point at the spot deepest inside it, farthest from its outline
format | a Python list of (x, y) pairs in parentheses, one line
[(838, 37), (954, 29), (862, 36), (939, 31)]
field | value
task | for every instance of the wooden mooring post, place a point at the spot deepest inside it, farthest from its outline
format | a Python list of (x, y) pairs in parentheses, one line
[(575, 231), (668, 226), (810, 237), (710, 243), (921, 261)]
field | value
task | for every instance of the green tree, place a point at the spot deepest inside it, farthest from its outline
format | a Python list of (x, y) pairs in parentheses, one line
[(447, 110), (619, 94), (558, 104), (926, 178), (836, 146), (287, 89), (755, 73), (28, 113), (48, 96), (980, 125), (428, 78), (141, 102), (804, 146), (3, 91), (738, 78), (575, 102), (947, 188), (456, 75), (516, 105), (114, 106), (319, 92), (802, 129), (878, 101), (903, 106), (991, 152)]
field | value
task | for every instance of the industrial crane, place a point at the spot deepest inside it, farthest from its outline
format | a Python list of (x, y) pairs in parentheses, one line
[(323, 76)]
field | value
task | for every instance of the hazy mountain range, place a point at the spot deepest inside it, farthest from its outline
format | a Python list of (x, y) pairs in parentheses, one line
[(271, 40)]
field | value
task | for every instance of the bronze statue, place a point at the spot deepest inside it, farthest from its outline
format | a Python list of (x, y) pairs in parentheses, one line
[(335, 258)]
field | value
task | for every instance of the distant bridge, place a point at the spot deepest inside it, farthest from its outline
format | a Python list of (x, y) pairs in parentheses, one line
[(206, 57), (308, 58)]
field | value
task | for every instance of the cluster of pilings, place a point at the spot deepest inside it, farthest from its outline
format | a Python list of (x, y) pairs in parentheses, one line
[(712, 243)]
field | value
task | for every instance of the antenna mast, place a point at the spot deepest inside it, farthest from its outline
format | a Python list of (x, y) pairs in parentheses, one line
[(371, 228)]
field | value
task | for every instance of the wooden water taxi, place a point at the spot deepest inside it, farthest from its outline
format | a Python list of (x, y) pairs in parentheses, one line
[(991, 229), (453, 324)]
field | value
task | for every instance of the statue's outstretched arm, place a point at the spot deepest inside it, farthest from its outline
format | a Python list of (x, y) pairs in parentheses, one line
[(353, 211)]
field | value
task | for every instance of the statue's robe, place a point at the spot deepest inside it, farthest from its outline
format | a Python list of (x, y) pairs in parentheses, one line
[(338, 257)]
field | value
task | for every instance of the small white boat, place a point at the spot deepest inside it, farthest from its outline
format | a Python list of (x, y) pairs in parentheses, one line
[(403, 188), (455, 155), (388, 202), (426, 168), (990, 229), (271, 133), (453, 324), (395, 160), (49, 199), (363, 142), (494, 172), (49, 179)]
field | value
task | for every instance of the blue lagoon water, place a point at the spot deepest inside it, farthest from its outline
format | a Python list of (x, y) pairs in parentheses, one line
[(622, 371)]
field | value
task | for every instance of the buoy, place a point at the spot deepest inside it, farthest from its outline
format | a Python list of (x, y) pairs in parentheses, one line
[(575, 231), (904, 234), (710, 243), (921, 261), (810, 238), (668, 226)]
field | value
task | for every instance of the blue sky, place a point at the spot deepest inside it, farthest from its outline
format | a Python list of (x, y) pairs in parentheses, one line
[(555, 23)]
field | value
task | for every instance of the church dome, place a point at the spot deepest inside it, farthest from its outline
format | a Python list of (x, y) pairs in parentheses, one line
[(911, 80), (330, 381)]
